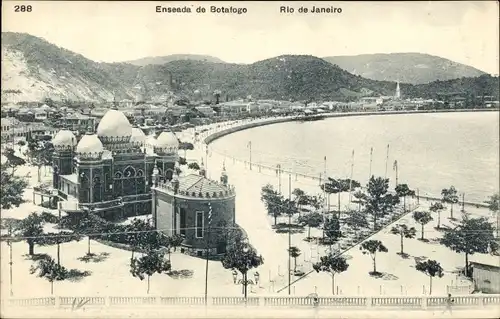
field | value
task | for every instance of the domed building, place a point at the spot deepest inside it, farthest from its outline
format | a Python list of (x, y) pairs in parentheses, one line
[(110, 172)]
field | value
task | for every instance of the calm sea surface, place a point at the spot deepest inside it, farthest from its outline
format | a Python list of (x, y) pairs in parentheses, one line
[(433, 151)]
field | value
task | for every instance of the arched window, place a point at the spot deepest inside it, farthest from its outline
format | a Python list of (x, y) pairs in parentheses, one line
[(97, 189), (140, 173), (118, 175), (129, 172)]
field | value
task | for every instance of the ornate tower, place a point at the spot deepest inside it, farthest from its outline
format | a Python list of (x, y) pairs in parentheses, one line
[(64, 145), (167, 146), (90, 169)]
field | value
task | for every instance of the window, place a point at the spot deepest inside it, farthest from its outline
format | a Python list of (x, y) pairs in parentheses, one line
[(199, 225), (182, 225)]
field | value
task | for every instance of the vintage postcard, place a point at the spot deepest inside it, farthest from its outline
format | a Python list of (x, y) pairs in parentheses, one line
[(239, 159)]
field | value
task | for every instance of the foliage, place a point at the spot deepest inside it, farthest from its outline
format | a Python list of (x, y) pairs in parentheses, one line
[(332, 228), (431, 268), (437, 207), (332, 264), (13, 161), (404, 232), (356, 220), (273, 201), (376, 200), (186, 146), (402, 190), (493, 202), (450, 197), (313, 219), (49, 269), (294, 253), (194, 166), (371, 247), (472, 235), (422, 218), (12, 189), (149, 264), (242, 257), (31, 228)]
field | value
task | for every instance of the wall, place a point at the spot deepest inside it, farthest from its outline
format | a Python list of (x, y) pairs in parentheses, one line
[(212, 137)]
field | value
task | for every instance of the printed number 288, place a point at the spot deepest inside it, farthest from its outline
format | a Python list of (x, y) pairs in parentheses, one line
[(23, 8)]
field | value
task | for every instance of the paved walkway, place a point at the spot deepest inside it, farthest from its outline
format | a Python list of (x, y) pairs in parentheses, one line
[(249, 312)]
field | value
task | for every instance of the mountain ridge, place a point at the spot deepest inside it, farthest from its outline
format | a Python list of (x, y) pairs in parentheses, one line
[(34, 69), (407, 67)]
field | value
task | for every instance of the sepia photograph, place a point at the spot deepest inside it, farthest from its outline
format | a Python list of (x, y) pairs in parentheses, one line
[(250, 159)]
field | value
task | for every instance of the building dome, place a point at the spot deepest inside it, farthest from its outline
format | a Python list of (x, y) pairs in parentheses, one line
[(64, 140), (138, 138), (114, 127), (89, 146), (167, 142)]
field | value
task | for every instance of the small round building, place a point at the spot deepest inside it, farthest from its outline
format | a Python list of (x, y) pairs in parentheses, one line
[(200, 209)]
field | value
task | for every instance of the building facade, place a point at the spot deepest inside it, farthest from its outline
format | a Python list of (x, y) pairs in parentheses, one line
[(486, 276), (199, 209), (109, 172)]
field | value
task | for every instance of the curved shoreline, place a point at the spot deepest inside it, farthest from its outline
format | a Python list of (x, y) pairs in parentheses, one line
[(216, 135), (212, 136)]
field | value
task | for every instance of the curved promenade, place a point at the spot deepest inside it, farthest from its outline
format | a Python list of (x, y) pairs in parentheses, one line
[(261, 122), (214, 134)]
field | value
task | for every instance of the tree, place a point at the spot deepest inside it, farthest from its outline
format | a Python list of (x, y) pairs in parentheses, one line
[(31, 228), (332, 228), (402, 190), (337, 186), (356, 220), (437, 207), (149, 264), (241, 257), (377, 201), (217, 94), (136, 233), (12, 189), (294, 253), (422, 218), (359, 195), (404, 232), (47, 268), (273, 201), (12, 160), (313, 219), (90, 225), (431, 268), (371, 247), (40, 154), (333, 265), (301, 198), (493, 205), (194, 166), (472, 235), (450, 197)]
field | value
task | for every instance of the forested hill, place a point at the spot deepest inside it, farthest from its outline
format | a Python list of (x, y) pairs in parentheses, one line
[(34, 69), (412, 68)]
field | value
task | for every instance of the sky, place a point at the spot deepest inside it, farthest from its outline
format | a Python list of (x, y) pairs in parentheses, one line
[(463, 31)]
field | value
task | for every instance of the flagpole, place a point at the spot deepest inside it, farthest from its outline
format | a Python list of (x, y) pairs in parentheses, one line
[(386, 161), (396, 166), (250, 147), (371, 159), (350, 179)]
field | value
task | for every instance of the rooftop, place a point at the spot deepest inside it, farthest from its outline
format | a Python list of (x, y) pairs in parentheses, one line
[(193, 185)]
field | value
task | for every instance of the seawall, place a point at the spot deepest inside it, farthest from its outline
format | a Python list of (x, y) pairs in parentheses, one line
[(216, 135)]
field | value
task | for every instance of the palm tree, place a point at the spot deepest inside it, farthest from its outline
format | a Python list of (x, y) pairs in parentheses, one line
[(450, 196), (437, 207), (405, 232), (422, 218)]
